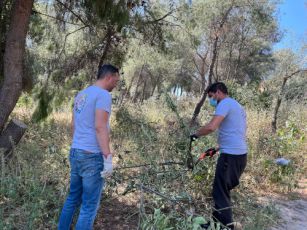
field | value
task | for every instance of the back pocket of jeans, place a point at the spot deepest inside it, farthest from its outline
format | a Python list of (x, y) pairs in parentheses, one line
[(91, 167)]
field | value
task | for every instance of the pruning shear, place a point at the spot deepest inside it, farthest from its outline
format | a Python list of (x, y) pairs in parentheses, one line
[(209, 152)]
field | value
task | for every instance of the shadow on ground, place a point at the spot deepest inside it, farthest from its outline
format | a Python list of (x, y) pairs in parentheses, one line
[(117, 214)]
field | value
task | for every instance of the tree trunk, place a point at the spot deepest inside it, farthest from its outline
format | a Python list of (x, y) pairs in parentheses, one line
[(279, 98), (211, 67), (144, 96), (11, 136), (4, 18), (107, 46), (216, 76), (228, 66), (153, 89), (203, 75), (13, 58), (1, 4), (136, 95)]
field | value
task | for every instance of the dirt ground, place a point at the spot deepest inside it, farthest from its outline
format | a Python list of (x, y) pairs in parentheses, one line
[(118, 213), (293, 212), (121, 213)]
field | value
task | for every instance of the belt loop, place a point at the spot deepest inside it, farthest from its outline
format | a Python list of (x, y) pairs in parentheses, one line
[(73, 152)]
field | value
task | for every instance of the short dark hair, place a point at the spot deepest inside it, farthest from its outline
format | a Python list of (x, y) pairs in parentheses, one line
[(106, 69), (217, 86)]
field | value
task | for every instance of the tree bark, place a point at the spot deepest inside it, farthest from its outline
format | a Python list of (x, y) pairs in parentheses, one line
[(13, 58), (11, 136), (1, 5), (5, 12), (279, 98), (136, 95), (107, 46)]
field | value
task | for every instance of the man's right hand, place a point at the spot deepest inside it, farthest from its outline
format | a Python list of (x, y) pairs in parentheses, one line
[(193, 137)]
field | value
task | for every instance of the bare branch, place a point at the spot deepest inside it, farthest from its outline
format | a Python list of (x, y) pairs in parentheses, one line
[(159, 19), (279, 98), (49, 16), (147, 189), (295, 72), (196, 65), (75, 14), (144, 165), (81, 28)]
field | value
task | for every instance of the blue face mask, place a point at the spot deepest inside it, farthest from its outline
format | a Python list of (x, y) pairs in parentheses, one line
[(213, 102)]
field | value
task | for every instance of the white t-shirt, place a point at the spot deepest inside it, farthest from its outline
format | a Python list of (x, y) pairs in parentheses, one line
[(232, 130), (85, 105)]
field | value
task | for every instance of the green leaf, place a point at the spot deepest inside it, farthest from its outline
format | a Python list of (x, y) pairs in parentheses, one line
[(197, 221)]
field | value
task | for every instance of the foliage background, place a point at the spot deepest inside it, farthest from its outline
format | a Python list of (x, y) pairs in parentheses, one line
[(165, 50)]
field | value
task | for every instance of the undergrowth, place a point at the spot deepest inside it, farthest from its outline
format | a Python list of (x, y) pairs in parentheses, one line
[(154, 137)]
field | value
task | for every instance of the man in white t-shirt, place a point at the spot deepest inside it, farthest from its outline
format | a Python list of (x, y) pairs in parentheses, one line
[(230, 120), (90, 156)]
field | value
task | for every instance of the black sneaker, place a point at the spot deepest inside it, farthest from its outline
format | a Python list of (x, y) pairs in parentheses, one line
[(207, 225)]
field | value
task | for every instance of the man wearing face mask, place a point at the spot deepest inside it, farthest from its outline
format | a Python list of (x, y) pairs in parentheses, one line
[(230, 120)]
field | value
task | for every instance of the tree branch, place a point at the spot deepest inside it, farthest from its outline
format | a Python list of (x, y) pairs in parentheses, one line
[(213, 60), (81, 28), (159, 19), (147, 189), (144, 165), (49, 16), (279, 98), (75, 14)]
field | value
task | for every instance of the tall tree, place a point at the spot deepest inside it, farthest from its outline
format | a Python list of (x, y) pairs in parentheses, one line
[(289, 65), (14, 58)]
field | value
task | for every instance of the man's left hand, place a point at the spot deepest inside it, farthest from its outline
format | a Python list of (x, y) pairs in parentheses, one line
[(107, 166)]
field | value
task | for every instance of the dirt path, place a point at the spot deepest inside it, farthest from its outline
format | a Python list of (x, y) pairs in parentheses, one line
[(118, 213), (121, 213), (293, 213)]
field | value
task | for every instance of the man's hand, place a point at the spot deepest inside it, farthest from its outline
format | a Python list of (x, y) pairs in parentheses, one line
[(107, 166), (212, 151), (193, 137)]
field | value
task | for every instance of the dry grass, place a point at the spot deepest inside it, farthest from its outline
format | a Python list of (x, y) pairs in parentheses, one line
[(34, 182)]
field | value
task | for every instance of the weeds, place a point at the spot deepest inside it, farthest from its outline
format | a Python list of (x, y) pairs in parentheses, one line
[(34, 182)]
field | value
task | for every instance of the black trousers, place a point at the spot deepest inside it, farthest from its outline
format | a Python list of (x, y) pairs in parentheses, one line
[(229, 168)]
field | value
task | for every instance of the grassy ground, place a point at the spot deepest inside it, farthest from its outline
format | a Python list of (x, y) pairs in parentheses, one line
[(34, 181)]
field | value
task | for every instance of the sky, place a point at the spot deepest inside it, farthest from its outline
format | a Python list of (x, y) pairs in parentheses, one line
[(292, 17)]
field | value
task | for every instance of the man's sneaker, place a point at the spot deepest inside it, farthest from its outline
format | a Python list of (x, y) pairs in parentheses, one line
[(207, 226)]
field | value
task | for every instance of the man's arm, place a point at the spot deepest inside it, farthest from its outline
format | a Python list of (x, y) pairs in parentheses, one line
[(72, 124), (210, 127), (102, 132)]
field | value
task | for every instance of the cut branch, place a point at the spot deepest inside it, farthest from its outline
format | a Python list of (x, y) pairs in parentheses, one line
[(11, 136), (144, 165)]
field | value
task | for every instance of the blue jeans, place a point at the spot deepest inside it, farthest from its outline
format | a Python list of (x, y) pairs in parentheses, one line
[(86, 186)]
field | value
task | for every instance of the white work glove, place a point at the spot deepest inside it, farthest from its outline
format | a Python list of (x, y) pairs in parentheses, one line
[(107, 166)]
